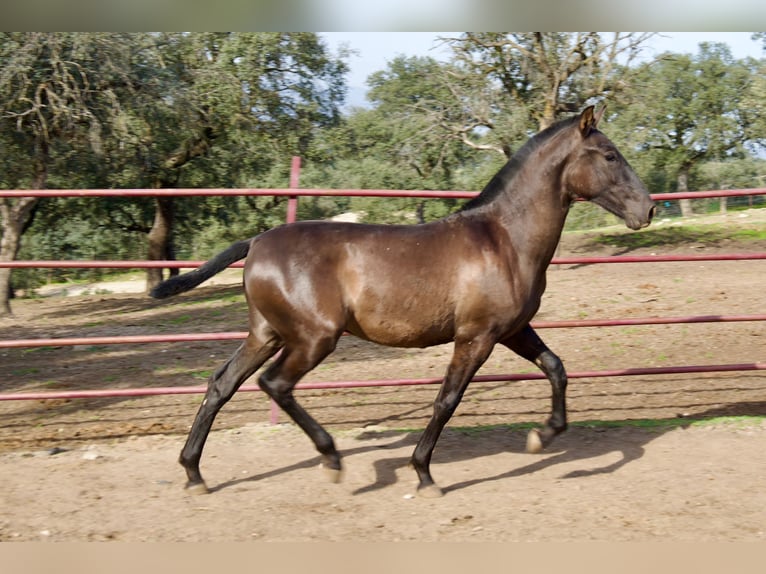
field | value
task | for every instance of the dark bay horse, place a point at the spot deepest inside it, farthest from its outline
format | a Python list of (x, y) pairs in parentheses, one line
[(475, 277)]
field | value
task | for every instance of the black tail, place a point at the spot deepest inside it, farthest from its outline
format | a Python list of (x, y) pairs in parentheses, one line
[(190, 280)]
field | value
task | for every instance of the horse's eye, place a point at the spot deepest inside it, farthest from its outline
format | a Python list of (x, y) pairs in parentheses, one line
[(611, 156)]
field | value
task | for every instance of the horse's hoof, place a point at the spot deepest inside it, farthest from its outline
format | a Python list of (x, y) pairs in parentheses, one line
[(534, 442), (197, 488), (430, 491), (334, 475)]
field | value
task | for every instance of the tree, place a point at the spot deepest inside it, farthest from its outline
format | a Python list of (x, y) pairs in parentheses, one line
[(406, 96), (687, 110), (511, 85), (736, 173), (398, 143), (753, 107), (216, 108), (437, 120), (55, 94)]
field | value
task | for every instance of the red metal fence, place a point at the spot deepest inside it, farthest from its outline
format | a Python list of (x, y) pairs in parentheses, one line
[(293, 192)]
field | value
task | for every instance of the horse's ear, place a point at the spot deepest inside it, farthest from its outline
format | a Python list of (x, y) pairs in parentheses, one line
[(598, 115), (587, 121)]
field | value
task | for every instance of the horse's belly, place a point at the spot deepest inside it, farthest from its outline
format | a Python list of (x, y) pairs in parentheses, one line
[(396, 329)]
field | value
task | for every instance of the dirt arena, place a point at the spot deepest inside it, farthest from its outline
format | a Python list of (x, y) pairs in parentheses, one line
[(105, 469)]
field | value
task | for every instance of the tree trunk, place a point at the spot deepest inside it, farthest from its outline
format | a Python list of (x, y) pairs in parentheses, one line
[(14, 215), (161, 233), (683, 187), (160, 244)]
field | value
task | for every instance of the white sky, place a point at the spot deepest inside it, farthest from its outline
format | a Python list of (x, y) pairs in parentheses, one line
[(376, 49)]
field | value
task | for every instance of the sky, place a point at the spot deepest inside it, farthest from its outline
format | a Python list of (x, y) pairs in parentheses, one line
[(376, 49)]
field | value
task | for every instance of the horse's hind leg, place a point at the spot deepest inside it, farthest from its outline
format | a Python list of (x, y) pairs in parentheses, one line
[(221, 387), (278, 381), (528, 345)]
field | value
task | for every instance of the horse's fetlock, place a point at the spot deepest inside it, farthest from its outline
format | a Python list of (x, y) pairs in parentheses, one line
[(332, 461), (326, 446), (557, 425), (188, 461)]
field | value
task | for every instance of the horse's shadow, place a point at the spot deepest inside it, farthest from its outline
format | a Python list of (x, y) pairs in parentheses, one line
[(578, 444), (575, 446)]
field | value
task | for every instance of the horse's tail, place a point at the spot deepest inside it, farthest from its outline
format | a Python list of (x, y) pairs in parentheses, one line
[(190, 280)]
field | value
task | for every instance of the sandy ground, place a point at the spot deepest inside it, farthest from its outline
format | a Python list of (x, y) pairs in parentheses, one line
[(695, 484)]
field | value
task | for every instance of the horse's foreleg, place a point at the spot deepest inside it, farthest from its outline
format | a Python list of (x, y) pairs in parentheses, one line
[(528, 345), (221, 387), (278, 382), (466, 360)]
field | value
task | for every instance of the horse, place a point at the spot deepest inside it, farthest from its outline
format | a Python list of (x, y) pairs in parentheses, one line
[(474, 278)]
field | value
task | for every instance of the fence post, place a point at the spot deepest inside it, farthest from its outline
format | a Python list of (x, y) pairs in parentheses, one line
[(292, 201)]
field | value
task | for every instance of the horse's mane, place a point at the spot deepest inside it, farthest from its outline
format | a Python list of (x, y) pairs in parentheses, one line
[(498, 183)]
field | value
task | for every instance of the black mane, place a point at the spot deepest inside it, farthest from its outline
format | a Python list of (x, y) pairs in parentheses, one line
[(498, 183)]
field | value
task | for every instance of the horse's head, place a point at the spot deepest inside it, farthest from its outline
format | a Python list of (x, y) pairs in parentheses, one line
[(598, 172)]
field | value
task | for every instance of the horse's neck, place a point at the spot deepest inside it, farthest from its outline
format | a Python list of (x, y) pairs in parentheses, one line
[(533, 216), (525, 200)]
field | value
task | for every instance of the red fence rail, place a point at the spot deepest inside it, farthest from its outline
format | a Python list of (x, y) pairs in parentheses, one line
[(197, 389), (293, 192), (234, 335)]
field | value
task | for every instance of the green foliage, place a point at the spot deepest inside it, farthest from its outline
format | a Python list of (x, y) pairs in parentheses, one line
[(732, 173), (78, 238), (230, 110), (753, 107), (156, 111), (401, 143), (684, 110)]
